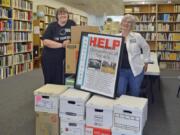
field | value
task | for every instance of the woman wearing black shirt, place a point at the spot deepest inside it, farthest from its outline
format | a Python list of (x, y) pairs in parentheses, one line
[(55, 39)]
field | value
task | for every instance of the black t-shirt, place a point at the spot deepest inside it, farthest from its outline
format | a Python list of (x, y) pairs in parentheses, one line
[(59, 33), (125, 61)]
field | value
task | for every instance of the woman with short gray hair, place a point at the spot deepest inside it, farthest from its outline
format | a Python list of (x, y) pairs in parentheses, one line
[(133, 66)]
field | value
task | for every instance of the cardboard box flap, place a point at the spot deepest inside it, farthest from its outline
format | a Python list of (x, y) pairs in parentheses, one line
[(76, 94), (131, 102), (100, 102), (76, 32), (50, 90)]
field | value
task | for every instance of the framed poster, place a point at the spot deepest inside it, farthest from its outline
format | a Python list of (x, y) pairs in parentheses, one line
[(98, 62)]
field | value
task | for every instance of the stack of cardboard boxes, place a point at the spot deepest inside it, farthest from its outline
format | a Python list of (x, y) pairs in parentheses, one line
[(72, 111), (75, 113), (130, 115), (47, 109), (99, 112)]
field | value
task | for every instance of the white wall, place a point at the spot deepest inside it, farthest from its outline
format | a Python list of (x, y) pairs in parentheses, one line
[(95, 20)]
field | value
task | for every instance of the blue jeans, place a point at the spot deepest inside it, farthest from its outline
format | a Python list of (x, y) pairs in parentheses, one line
[(126, 78)]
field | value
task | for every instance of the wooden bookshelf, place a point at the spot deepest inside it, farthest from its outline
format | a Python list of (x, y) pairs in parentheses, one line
[(39, 28), (15, 37), (159, 24), (49, 14), (146, 21), (168, 25)]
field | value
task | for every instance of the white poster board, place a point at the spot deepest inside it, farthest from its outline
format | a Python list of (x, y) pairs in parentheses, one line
[(98, 62)]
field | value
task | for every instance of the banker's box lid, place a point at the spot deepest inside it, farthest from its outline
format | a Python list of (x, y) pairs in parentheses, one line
[(101, 102), (131, 102), (75, 94), (50, 89)]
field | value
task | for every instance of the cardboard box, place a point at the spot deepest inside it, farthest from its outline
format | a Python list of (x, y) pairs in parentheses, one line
[(72, 127), (99, 111), (117, 131), (72, 104), (47, 98), (96, 131), (47, 123), (76, 32), (72, 51), (130, 115)]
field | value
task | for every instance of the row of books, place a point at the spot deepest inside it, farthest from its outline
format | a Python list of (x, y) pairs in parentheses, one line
[(24, 67), (22, 15), (15, 69), (168, 36), (5, 2), (22, 47), (165, 46), (170, 56), (149, 36), (49, 11), (6, 61), (23, 26), (22, 58), (177, 8), (146, 18), (5, 37), (165, 27), (6, 72), (23, 4), (5, 12), (5, 25), (6, 49), (48, 19), (22, 36), (145, 27), (167, 17)]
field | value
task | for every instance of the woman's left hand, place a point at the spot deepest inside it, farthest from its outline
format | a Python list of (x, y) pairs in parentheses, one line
[(66, 42)]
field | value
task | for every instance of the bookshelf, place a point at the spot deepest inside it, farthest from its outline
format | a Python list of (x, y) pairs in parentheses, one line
[(168, 33), (146, 21), (49, 14), (39, 28), (15, 37), (79, 19), (159, 24)]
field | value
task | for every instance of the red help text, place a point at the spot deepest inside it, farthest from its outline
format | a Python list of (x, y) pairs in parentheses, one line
[(104, 43)]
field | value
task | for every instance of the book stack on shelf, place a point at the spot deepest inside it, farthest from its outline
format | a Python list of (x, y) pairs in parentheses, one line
[(159, 24), (15, 37)]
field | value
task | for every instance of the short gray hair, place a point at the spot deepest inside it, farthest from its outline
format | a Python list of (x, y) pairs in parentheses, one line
[(131, 18)]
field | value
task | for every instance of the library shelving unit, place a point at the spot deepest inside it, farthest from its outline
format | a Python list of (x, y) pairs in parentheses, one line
[(40, 24), (16, 37), (79, 19), (168, 33), (159, 24), (49, 14), (146, 21), (39, 28)]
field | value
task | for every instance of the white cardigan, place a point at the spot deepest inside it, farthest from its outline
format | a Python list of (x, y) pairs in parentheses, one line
[(134, 43)]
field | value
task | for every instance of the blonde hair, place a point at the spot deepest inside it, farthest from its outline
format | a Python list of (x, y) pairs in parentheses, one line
[(131, 18)]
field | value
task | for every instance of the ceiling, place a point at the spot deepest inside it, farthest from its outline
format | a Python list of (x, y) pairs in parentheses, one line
[(107, 7), (97, 7)]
